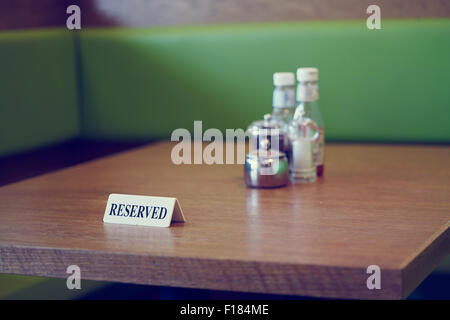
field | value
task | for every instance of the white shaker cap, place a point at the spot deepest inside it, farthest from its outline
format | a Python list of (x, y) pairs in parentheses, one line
[(307, 74), (283, 79)]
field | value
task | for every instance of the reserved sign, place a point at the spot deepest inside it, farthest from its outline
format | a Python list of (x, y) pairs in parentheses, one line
[(142, 210)]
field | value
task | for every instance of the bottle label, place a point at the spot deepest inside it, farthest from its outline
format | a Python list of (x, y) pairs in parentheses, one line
[(283, 98), (302, 157), (307, 92)]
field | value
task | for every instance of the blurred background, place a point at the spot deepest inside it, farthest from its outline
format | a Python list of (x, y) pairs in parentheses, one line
[(138, 69)]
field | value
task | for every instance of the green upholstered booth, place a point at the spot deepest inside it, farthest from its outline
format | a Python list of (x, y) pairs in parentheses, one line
[(388, 85), (375, 85), (38, 89)]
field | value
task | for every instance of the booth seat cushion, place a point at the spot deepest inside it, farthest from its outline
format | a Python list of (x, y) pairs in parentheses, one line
[(38, 89), (375, 85)]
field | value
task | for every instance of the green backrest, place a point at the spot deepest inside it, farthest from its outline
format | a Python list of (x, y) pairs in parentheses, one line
[(38, 93), (375, 85)]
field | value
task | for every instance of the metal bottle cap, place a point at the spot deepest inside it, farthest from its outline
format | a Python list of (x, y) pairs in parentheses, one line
[(268, 123), (266, 170), (263, 131)]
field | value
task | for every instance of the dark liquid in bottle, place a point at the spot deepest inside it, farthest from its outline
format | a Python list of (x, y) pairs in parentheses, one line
[(320, 169)]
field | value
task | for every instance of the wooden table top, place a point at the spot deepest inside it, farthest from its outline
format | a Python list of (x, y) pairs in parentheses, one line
[(379, 205)]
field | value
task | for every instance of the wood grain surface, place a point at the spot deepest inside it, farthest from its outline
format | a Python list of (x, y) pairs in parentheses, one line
[(385, 205)]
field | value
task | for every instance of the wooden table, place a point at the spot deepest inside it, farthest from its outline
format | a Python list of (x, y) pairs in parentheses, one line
[(377, 205)]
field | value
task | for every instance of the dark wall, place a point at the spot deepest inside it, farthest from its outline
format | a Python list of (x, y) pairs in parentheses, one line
[(20, 14)]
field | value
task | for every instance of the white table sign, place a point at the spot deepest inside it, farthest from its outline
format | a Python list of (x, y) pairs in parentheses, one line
[(142, 210)]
